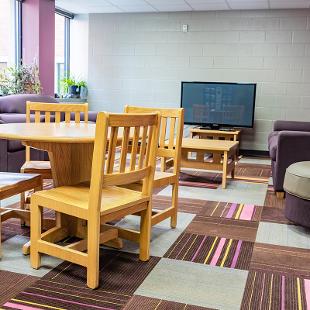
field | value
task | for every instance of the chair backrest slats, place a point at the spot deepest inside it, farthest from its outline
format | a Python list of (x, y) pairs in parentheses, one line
[(142, 148), (163, 131), (57, 117), (112, 149), (134, 148), (67, 117), (37, 116), (171, 133), (77, 117), (48, 112), (114, 130), (47, 117), (124, 148)]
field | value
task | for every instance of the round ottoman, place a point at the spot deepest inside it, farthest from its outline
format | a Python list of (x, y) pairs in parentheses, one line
[(297, 187)]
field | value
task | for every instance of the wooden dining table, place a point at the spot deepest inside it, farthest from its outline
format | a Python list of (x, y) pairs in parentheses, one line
[(70, 149)]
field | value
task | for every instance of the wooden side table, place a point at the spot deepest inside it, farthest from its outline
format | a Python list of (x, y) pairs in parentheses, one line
[(215, 134), (220, 148)]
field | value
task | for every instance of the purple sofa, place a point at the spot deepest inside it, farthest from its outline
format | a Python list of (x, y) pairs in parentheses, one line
[(13, 110), (288, 143)]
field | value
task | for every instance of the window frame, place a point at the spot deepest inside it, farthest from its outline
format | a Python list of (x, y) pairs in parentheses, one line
[(67, 18)]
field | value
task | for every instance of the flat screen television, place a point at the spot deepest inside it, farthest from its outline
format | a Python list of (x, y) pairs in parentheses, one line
[(218, 105)]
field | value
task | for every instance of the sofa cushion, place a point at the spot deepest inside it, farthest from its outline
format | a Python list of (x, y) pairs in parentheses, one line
[(17, 103), (14, 146), (8, 118), (297, 179), (273, 144)]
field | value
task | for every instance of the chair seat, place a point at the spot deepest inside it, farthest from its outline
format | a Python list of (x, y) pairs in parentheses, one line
[(16, 183), (73, 200), (164, 178), (36, 166)]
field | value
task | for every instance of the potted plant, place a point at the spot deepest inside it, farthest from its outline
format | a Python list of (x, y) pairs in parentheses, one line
[(83, 89), (74, 88), (23, 79)]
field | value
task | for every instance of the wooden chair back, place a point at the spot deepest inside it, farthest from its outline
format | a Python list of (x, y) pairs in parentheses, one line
[(170, 136), (40, 109), (137, 134)]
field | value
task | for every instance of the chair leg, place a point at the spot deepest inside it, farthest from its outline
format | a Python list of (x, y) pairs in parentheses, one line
[(145, 232), (280, 195), (35, 234), (93, 253), (174, 217), (22, 206)]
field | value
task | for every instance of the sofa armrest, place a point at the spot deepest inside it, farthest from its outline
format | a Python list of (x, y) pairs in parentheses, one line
[(3, 155), (291, 126), (293, 146)]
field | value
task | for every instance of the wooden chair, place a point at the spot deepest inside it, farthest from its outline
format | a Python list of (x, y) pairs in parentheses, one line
[(13, 184), (102, 200), (47, 112), (170, 142)]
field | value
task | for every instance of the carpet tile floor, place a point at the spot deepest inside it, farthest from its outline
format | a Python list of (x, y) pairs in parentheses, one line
[(232, 249)]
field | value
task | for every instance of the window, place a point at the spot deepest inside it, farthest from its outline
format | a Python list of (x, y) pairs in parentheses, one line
[(62, 49), (9, 33)]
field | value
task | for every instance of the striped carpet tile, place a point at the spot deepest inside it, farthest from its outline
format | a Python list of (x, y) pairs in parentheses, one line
[(52, 295), (214, 251), (246, 212), (147, 303), (276, 291)]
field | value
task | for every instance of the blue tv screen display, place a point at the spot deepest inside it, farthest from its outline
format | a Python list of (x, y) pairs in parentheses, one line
[(223, 104)]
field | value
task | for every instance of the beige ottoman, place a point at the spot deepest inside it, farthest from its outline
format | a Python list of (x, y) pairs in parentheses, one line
[(297, 187)]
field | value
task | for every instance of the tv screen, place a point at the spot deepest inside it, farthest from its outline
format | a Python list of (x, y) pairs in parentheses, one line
[(218, 104)]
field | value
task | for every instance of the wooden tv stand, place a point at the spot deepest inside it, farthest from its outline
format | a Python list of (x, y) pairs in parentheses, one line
[(229, 135)]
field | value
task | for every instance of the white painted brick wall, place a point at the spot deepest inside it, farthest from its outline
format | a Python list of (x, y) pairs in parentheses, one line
[(141, 59)]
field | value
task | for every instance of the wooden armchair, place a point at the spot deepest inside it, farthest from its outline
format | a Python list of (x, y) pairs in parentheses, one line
[(102, 200), (13, 184), (47, 113), (169, 150)]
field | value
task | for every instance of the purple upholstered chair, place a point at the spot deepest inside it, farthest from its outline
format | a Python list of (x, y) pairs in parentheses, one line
[(288, 143)]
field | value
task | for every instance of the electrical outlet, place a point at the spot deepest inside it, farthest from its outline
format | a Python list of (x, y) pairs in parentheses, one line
[(185, 28)]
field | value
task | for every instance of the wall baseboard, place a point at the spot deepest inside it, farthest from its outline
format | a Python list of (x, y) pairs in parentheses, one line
[(254, 153)]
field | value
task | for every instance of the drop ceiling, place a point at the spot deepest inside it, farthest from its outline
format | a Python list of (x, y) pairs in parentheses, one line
[(123, 6)]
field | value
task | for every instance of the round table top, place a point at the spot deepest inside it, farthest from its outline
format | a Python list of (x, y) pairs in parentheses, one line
[(49, 132)]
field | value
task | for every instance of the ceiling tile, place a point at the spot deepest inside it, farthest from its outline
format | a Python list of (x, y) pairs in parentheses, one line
[(253, 5), (296, 4), (113, 6)]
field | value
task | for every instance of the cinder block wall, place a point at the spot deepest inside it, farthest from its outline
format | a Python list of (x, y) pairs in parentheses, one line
[(141, 59)]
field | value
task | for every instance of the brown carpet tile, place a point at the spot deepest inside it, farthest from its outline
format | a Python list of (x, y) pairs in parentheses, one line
[(13, 283), (186, 205), (147, 303), (65, 286), (12, 228), (222, 227), (120, 272), (284, 260)]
